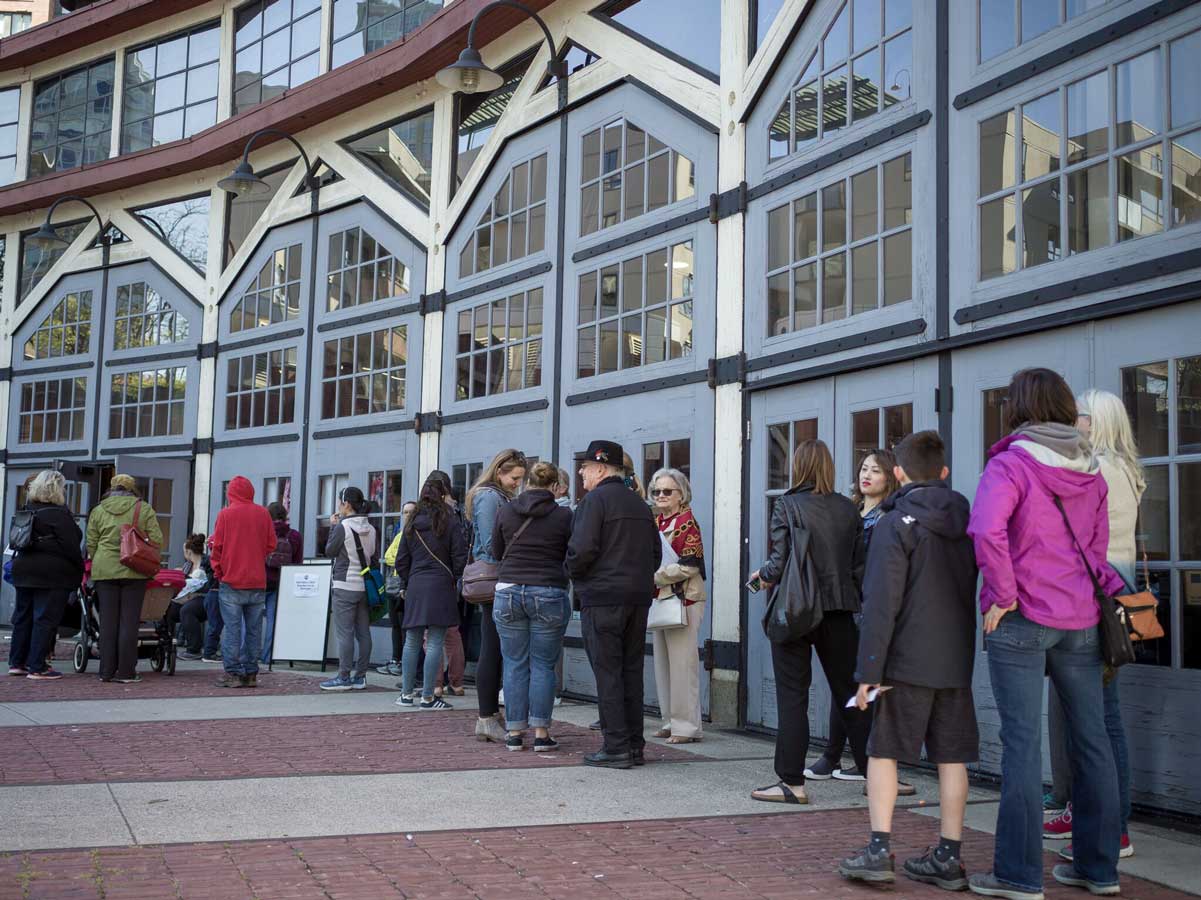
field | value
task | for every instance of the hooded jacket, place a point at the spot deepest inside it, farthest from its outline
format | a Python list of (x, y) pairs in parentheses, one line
[(242, 539), (919, 592), (1022, 546), (536, 558), (342, 549), (614, 549), (284, 531), (104, 534), (54, 559)]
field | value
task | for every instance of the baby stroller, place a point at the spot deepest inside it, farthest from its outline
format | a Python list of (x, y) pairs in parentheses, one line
[(155, 641)]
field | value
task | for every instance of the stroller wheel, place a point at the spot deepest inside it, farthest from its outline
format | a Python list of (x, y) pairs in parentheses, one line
[(171, 661), (79, 660), (159, 659)]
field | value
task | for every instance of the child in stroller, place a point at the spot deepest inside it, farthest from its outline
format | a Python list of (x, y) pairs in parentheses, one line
[(155, 640)]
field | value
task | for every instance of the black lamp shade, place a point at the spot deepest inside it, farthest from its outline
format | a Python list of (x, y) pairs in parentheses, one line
[(242, 181), (48, 238), (469, 75)]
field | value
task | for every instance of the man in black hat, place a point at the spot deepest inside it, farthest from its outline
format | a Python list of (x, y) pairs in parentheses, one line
[(612, 558)]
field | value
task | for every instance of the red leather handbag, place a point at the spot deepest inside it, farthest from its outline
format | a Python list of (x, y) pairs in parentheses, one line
[(137, 552)]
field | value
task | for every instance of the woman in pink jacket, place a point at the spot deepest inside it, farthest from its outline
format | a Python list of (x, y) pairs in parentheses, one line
[(1040, 617)]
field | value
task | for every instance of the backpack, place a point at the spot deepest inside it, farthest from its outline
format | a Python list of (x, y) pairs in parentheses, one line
[(20, 529), (282, 554)]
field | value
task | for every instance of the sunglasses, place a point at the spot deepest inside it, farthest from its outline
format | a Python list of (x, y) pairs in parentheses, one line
[(663, 492)]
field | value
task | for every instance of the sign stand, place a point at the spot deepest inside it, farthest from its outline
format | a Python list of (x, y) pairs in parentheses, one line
[(302, 613)]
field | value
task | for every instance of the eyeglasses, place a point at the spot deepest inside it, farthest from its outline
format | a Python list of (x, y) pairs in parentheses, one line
[(663, 492)]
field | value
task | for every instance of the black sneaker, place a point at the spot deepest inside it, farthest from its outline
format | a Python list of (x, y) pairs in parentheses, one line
[(435, 703), (595, 726), (515, 742), (821, 770), (542, 745), (849, 774), (638, 757), (132, 680), (949, 875), (868, 866)]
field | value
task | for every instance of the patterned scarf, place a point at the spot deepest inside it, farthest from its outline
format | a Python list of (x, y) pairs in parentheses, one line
[(684, 535)]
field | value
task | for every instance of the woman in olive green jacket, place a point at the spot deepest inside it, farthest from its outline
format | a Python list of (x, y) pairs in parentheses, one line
[(120, 589)]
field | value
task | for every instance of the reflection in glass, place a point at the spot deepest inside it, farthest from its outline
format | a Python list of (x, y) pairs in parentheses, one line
[(863, 278), (1190, 638), (689, 28), (898, 424), (1186, 178), (997, 28), (865, 80), (1154, 535), (836, 41), (1088, 208), (834, 216), (1145, 395), (863, 205), (1139, 98), (1188, 417), (184, 225), (403, 152), (898, 69), (805, 227), (806, 114), (805, 296), (246, 209), (777, 132), (834, 287), (765, 13), (834, 100), (867, 24), (1041, 126), (993, 401), (1189, 502), (1088, 117), (777, 238), (1183, 56), (777, 457), (1140, 193), (1038, 17), (865, 435), (1157, 652), (997, 237), (997, 153), (898, 192), (898, 267), (1040, 223)]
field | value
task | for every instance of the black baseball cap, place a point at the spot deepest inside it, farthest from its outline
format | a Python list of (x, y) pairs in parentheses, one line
[(608, 452)]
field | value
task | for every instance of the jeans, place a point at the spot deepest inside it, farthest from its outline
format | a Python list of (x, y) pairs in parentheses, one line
[(35, 626), (352, 624), (530, 622), (215, 624), (1019, 653), (412, 654), (615, 641), (120, 615), (241, 640), (269, 624)]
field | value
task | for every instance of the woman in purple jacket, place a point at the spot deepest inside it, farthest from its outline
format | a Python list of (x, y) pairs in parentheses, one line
[(1040, 616)]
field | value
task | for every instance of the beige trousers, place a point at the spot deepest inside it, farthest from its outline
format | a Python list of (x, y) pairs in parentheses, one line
[(677, 674)]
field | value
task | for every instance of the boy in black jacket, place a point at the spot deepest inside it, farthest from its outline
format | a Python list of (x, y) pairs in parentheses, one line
[(918, 637)]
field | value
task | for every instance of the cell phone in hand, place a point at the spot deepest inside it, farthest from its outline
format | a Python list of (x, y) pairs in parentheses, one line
[(755, 585)]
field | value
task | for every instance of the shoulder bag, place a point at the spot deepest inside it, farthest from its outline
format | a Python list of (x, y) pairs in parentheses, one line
[(1142, 610), (373, 579), (795, 607), (667, 612), (1114, 627), (137, 552), (480, 577)]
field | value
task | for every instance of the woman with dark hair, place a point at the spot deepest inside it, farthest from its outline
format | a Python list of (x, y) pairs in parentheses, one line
[(188, 608), (429, 561), (289, 551), (396, 605), (1040, 524), (352, 546), (835, 545)]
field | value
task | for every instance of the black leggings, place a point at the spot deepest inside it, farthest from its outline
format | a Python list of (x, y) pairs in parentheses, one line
[(192, 617), (489, 666), (396, 614)]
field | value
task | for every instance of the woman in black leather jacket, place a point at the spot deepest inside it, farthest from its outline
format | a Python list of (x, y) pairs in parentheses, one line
[(836, 548)]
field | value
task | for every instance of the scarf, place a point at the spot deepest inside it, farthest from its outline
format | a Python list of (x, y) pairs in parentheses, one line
[(684, 535)]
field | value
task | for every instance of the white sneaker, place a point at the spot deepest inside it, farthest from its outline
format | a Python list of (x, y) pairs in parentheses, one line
[(558, 701), (500, 698)]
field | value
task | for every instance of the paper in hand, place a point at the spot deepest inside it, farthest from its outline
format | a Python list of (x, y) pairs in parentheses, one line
[(871, 695)]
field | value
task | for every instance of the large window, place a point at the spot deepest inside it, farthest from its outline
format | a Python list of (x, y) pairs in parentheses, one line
[(385, 491), (365, 373), (245, 210), (625, 172), (882, 427), (274, 296), (329, 489), (10, 107), (513, 225), (145, 319), (463, 476), (278, 489), (637, 312), (183, 225), (403, 152), (13, 22), (72, 119), (1004, 24), (276, 46), (147, 404), (1104, 159), (66, 331), (691, 29), (658, 455), (361, 270), (170, 88), (260, 389), (36, 261), (363, 26), (864, 65), (500, 346), (52, 410), (1164, 402), (842, 250), (783, 439)]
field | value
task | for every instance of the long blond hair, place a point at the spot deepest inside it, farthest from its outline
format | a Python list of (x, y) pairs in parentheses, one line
[(1110, 432), (502, 464)]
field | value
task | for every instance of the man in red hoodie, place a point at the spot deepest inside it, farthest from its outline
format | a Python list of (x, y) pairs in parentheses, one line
[(242, 539)]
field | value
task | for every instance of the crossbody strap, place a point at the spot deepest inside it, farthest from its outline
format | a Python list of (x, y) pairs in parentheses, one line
[(432, 553), (364, 562), (516, 537), (1097, 589)]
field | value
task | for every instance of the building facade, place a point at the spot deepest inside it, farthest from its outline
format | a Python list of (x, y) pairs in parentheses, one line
[(734, 225)]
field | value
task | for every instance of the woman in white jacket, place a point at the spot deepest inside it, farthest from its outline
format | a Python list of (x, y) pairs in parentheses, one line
[(352, 545)]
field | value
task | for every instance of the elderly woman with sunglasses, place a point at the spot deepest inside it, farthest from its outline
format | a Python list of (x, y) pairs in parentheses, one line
[(676, 661)]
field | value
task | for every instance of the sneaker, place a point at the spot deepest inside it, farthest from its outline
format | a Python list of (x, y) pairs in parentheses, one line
[(867, 865), (949, 875), (595, 726), (987, 885), (558, 701), (1060, 827), (134, 680), (18, 670), (514, 742), (542, 745), (184, 654), (821, 770), (337, 683), (1069, 876), (500, 697), (229, 681), (1125, 851), (250, 681), (1050, 804), (358, 683), (849, 774), (45, 675), (386, 668), (406, 700), (435, 703), (215, 658), (489, 730)]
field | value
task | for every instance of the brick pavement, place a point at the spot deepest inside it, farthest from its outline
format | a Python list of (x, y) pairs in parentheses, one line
[(264, 748), (767, 857)]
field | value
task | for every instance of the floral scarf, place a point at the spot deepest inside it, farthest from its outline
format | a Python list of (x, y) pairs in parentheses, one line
[(684, 535)]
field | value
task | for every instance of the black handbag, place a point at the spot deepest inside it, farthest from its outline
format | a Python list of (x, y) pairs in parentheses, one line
[(795, 607), (1117, 649)]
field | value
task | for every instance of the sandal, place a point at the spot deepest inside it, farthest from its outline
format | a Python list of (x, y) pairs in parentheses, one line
[(679, 739), (663, 733), (785, 796)]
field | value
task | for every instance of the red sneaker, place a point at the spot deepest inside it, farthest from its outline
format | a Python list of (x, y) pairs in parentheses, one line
[(1060, 827), (1126, 851)]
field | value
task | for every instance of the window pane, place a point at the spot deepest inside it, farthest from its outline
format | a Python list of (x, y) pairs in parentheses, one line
[(777, 238), (867, 24), (996, 153), (1041, 126), (779, 319), (997, 239), (1189, 518), (1186, 178), (834, 216), (1145, 394), (898, 69), (997, 27), (1155, 515), (805, 227), (834, 100), (1188, 413), (865, 435), (834, 287), (1139, 98), (898, 267), (804, 285), (1158, 652), (898, 192), (1038, 16), (1190, 639), (865, 73), (1186, 99), (691, 28), (1088, 117), (777, 457), (898, 423), (864, 222), (863, 274), (1088, 209), (1040, 223), (1140, 193), (837, 39), (992, 402), (805, 129)]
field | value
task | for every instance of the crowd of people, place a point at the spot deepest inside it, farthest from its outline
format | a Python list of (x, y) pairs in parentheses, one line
[(883, 585)]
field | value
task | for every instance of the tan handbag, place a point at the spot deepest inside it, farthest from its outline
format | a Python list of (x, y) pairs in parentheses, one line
[(1142, 611)]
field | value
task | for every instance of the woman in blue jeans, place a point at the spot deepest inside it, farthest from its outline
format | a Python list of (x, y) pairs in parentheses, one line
[(429, 561), (532, 608), (1040, 517)]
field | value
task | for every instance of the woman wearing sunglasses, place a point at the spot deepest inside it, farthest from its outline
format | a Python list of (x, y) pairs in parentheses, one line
[(677, 675)]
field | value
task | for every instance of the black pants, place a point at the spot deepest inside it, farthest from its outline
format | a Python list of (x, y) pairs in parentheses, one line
[(615, 641), (120, 613), (192, 617), (489, 666), (836, 641), (35, 621), (396, 615)]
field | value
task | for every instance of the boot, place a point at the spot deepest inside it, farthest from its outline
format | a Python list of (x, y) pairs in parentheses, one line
[(489, 729), (250, 681)]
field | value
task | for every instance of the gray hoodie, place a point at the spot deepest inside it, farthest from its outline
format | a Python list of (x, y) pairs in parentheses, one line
[(342, 549)]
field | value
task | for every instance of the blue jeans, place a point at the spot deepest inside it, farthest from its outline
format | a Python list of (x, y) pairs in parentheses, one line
[(214, 624), (531, 622), (434, 641), (1019, 653), (241, 641), (268, 625), (1117, 741)]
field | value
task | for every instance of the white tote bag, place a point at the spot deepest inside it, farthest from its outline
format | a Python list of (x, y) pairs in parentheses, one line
[(669, 611)]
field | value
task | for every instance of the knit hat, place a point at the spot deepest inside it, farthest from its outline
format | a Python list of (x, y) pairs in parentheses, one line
[(123, 483)]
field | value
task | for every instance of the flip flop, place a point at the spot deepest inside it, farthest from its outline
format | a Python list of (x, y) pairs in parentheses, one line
[(680, 739), (663, 733), (785, 796)]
